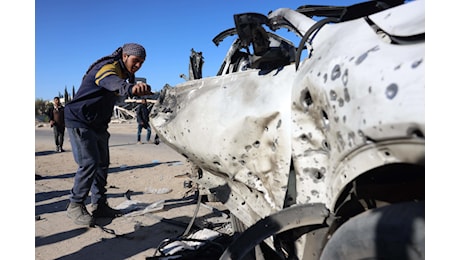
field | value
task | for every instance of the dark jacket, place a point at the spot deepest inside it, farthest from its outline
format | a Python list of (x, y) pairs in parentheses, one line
[(142, 113), (57, 115), (93, 104)]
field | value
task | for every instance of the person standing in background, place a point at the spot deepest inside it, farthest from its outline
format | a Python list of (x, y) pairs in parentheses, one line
[(56, 116), (142, 117)]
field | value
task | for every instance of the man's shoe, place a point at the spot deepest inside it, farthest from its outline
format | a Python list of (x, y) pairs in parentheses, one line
[(57, 149), (156, 140), (78, 213), (105, 211), (139, 142), (60, 149)]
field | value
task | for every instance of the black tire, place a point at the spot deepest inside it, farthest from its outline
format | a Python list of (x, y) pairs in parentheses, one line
[(392, 232)]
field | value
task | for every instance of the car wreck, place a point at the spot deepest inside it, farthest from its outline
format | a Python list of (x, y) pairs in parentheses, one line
[(317, 148)]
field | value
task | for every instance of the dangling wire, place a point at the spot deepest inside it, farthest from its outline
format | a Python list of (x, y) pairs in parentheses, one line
[(305, 37)]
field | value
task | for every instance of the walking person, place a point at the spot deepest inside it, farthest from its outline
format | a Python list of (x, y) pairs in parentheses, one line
[(56, 116), (142, 117), (87, 118)]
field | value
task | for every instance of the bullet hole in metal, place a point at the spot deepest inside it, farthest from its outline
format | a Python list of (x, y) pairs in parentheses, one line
[(398, 67), (391, 91), (351, 138), (325, 77), (344, 119), (361, 58), (256, 144), (346, 95), (415, 132), (341, 102), (345, 78), (242, 162), (325, 119), (243, 203), (319, 74), (335, 73), (247, 148), (387, 153), (304, 137), (274, 144), (332, 95), (326, 145), (307, 100), (279, 124), (336, 119), (369, 89), (415, 64), (364, 55), (216, 163)]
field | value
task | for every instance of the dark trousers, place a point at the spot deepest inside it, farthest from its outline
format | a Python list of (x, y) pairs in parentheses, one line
[(58, 135), (139, 131), (91, 152)]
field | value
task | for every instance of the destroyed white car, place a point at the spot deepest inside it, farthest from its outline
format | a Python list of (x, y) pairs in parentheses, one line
[(316, 148)]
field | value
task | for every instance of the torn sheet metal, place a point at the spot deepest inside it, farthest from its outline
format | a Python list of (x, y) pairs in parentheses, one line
[(240, 131)]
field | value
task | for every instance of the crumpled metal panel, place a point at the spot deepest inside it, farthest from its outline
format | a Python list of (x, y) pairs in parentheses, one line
[(237, 126)]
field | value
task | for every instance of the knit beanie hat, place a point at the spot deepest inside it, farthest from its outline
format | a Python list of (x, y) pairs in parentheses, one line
[(134, 49)]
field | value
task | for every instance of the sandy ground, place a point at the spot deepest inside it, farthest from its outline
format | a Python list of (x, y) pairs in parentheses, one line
[(140, 175)]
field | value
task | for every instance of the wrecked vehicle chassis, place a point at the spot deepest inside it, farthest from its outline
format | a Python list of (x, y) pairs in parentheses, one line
[(320, 158)]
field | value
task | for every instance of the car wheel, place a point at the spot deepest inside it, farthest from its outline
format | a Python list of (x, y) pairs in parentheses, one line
[(395, 231)]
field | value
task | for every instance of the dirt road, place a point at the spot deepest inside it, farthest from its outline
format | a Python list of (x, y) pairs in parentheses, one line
[(139, 176)]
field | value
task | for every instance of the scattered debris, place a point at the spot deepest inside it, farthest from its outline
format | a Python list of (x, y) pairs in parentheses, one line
[(156, 162), (134, 207), (175, 163), (203, 244), (188, 184), (158, 191)]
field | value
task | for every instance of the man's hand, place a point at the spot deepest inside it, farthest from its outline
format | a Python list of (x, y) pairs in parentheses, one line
[(141, 89)]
